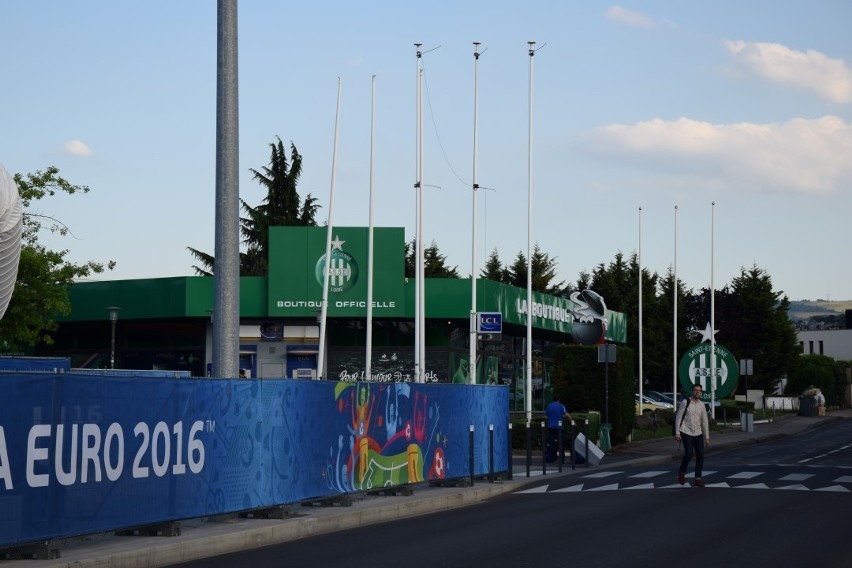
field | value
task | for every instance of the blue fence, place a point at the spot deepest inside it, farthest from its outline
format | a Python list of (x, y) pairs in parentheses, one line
[(83, 454)]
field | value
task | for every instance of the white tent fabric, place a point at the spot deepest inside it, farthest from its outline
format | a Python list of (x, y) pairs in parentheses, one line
[(11, 218)]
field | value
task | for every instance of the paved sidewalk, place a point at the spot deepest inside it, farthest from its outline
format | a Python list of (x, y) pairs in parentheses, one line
[(200, 539)]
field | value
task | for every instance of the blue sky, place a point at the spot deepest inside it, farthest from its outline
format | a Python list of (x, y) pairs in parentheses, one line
[(637, 104)]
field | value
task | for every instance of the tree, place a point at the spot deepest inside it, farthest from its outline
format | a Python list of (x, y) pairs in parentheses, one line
[(767, 334), (752, 323), (494, 269), (434, 263), (41, 291), (618, 283), (282, 206), (543, 272)]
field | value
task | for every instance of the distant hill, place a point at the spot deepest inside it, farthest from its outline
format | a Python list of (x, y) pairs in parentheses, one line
[(819, 314), (809, 308)]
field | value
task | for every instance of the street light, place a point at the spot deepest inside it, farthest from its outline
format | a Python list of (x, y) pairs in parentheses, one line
[(113, 317)]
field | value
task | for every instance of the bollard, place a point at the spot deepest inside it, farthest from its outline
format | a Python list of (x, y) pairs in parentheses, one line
[(572, 445), (561, 452), (491, 453), (509, 458), (471, 455), (586, 435), (529, 447), (544, 448)]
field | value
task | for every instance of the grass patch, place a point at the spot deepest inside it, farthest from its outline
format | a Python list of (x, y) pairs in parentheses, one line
[(729, 420)]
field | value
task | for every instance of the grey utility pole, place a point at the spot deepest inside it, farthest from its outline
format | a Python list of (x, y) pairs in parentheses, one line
[(226, 297)]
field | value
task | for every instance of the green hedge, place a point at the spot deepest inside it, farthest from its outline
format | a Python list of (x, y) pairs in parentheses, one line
[(580, 381), (519, 430)]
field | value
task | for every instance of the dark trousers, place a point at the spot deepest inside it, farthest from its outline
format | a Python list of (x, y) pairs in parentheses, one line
[(552, 449), (692, 444)]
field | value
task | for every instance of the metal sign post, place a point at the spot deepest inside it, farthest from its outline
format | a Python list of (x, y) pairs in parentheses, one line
[(746, 369), (606, 355)]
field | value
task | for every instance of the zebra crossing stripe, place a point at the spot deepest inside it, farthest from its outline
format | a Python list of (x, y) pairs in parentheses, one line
[(796, 477), (572, 489), (651, 474), (745, 475), (844, 479), (641, 486), (601, 474), (610, 487), (722, 484), (834, 488), (753, 486), (797, 487)]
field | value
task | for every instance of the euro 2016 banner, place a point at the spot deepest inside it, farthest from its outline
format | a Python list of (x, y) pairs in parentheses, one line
[(83, 454)]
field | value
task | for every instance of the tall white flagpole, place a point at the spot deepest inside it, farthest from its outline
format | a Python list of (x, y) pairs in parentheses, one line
[(418, 242), (674, 320), (474, 187), (639, 261), (329, 227), (713, 377), (421, 250), (528, 386), (371, 246)]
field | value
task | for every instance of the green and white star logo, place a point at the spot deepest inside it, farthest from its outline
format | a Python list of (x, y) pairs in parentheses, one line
[(342, 269), (696, 367)]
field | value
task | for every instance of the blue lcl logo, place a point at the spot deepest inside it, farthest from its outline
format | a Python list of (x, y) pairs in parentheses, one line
[(490, 322)]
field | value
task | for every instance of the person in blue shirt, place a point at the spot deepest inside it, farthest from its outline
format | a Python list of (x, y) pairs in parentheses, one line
[(555, 412)]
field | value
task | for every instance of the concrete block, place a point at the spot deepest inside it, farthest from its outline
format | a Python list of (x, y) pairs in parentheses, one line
[(595, 453)]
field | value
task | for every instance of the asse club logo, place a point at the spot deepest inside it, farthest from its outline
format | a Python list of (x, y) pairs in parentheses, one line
[(695, 367), (342, 268)]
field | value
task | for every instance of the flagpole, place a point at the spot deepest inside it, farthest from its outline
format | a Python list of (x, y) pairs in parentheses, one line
[(421, 251), (674, 320), (528, 386), (639, 260), (473, 316), (369, 350), (329, 225), (418, 243), (713, 376)]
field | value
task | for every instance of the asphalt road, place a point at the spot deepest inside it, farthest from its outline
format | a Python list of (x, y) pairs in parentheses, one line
[(782, 503)]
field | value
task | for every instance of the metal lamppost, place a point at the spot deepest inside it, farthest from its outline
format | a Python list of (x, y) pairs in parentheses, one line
[(113, 318)]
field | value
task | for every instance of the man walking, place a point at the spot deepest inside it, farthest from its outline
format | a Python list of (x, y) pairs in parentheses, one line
[(555, 412), (693, 428)]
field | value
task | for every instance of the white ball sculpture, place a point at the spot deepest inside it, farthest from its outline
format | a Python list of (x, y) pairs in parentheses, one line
[(11, 218)]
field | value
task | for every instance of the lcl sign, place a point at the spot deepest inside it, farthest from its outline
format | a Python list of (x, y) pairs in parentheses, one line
[(490, 322)]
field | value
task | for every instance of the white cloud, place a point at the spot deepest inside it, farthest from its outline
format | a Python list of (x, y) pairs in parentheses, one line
[(830, 78), (629, 18), (77, 148), (802, 155)]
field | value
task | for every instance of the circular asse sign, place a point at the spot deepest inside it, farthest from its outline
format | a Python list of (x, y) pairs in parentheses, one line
[(342, 271), (695, 368)]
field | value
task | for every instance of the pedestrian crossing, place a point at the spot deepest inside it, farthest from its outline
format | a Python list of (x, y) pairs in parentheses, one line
[(829, 480)]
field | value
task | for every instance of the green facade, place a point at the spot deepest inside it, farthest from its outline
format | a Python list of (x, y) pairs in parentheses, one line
[(294, 288)]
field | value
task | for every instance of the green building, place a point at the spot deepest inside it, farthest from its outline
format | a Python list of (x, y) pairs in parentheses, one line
[(165, 323)]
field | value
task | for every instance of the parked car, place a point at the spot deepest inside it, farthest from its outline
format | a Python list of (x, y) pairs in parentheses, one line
[(680, 397), (657, 396), (649, 405)]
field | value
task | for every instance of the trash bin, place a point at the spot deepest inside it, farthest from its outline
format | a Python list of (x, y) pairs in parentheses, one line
[(603, 437), (807, 406)]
